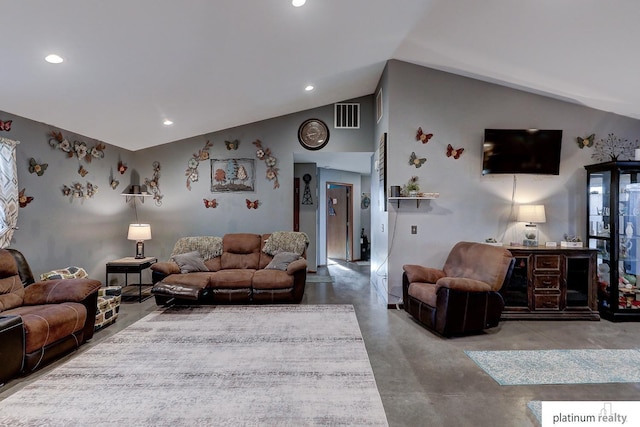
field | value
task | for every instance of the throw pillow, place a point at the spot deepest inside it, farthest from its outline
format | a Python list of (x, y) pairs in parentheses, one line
[(282, 260), (286, 241), (189, 262)]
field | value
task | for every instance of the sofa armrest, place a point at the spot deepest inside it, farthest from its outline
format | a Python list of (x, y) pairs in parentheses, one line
[(463, 284), (60, 290), (297, 265), (166, 268), (419, 273)]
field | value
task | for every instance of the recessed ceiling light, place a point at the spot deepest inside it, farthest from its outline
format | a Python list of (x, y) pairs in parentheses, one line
[(309, 88), (53, 59), (167, 122), (298, 3)]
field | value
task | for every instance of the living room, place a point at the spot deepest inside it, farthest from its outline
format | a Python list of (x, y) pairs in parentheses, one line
[(56, 229)]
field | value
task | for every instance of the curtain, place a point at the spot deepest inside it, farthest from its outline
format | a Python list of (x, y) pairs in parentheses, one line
[(9, 203)]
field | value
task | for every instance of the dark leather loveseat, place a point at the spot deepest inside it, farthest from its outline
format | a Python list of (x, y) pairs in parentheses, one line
[(40, 321)]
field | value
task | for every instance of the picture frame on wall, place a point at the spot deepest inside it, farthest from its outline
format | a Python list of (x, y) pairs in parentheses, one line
[(382, 170), (232, 175), (379, 111)]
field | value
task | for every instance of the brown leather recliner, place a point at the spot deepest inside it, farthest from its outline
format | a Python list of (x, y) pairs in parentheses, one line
[(40, 321), (463, 296)]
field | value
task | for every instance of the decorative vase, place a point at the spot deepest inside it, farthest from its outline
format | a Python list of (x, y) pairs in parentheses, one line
[(628, 231), (413, 194)]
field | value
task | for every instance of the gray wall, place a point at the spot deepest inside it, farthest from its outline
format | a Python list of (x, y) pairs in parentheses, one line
[(471, 206), (308, 213), (56, 232)]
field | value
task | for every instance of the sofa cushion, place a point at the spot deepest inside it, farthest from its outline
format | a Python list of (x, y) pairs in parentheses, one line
[(272, 279), (190, 262), (241, 251), (46, 324), (208, 246), (479, 261), (199, 280), (231, 279), (282, 260), (425, 292), (286, 241), (11, 292)]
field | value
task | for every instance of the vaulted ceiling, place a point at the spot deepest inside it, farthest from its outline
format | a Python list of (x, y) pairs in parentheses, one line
[(209, 65)]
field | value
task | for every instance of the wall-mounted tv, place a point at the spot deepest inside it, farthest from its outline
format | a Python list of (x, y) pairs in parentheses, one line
[(527, 151)]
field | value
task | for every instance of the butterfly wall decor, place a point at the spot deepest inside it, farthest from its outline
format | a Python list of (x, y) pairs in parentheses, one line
[(586, 142), (24, 200), (36, 168), (5, 125), (122, 167), (232, 145), (253, 205), (415, 161), (82, 171), (454, 152), (423, 137), (114, 183), (213, 203)]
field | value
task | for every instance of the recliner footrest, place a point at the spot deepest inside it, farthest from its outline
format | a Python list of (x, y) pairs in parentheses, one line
[(177, 290)]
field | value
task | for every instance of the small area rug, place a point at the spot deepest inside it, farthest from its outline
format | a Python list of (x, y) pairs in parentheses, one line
[(217, 365), (591, 366)]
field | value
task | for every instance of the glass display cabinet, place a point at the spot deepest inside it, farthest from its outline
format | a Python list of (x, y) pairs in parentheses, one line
[(613, 227)]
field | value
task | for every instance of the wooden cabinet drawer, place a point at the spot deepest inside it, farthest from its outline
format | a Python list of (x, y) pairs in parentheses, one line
[(547, 302), (546, 281), (547, 262)]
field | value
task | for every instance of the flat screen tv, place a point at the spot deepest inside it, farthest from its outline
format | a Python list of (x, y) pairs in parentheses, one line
[(526, 151)]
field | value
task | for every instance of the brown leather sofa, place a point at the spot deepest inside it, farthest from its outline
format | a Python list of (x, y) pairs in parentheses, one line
[(40, 321), (463, 296), (239, 268)]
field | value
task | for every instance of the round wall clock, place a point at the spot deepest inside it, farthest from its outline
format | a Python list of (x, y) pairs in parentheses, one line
[(313, 134)]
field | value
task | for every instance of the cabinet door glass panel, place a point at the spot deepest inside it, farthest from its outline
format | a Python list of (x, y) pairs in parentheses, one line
[(599, 227), (577, 282), (629, 238), (515, 292)]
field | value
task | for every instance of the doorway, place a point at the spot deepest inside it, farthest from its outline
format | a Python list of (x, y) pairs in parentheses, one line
[(339, 217)]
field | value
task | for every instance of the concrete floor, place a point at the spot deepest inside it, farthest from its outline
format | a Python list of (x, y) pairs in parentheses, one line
[(426, 380)]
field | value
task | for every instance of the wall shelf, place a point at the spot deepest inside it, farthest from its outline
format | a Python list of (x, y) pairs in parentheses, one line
[(425, 196)]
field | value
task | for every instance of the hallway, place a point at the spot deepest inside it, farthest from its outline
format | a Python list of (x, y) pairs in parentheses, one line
[(426, 380)]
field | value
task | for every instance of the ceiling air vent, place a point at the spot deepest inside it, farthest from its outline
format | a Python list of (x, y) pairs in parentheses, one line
[(347, 116)]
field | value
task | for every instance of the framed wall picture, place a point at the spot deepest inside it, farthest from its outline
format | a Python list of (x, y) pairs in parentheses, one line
[(232, 175), (379, 111), (382, 170)]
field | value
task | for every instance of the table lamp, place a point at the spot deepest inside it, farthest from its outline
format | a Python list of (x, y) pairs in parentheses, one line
[(533, 214), (139, 233)]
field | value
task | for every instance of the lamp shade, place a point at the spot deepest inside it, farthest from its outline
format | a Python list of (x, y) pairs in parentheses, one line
[(532, 214), (139, 232)]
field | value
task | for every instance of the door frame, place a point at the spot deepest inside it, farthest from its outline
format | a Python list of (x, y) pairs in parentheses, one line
[(349, 223)]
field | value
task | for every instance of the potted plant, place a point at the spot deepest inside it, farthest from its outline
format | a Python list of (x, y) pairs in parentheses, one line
[(412, 188)]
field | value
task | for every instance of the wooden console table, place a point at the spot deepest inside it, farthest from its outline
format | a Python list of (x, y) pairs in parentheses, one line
[(552, 283)]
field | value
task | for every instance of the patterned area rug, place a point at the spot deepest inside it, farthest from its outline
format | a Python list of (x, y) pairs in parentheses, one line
[(217, 365), (526, 367)]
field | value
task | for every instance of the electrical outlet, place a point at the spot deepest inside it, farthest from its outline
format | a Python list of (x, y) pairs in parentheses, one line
[(414, 229)]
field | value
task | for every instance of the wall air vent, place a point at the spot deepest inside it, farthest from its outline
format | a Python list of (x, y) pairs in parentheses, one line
[(347, 116)]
